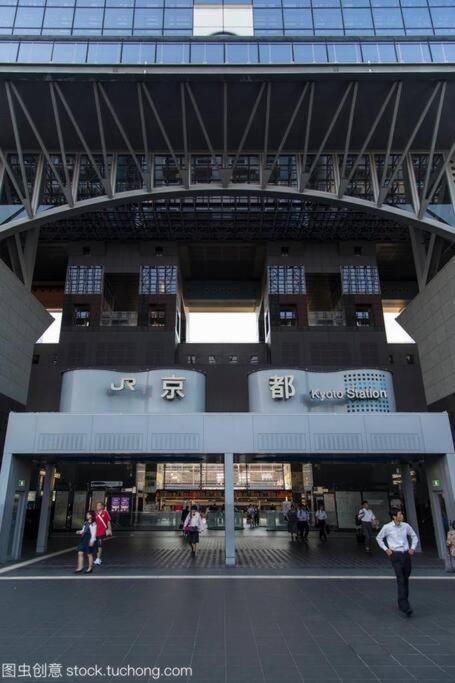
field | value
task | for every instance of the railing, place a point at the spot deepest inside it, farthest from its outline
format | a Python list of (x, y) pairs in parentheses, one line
[(215, 520), (118, 319), (158, 521), (252, 51), (326, 319)]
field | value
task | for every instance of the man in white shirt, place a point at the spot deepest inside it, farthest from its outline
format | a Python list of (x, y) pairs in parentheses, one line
[(397, 534), (303, 518), (366, 518)]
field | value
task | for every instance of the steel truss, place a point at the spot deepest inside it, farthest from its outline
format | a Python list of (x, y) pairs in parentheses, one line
[(51, 180)]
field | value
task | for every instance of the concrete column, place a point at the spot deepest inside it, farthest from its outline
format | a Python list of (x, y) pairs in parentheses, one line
[(433, 473), (14, 481), (229, 518), (45, 512), (409, 501)]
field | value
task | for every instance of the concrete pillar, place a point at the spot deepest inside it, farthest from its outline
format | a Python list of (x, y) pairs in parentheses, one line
[(229, 518), (14, 487), (409, 501), (45, 512), (441, 490)]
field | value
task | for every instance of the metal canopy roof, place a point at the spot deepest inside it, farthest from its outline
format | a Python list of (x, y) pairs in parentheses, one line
[(208, 89)]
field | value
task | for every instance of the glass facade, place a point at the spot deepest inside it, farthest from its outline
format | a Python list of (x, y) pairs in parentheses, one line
[(84, 280), (273, 476), (226, 52), (158, 280), (286, 280), (270, 17)]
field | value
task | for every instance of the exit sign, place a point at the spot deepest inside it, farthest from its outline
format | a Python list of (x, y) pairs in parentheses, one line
[(436, 483), (21, 483)]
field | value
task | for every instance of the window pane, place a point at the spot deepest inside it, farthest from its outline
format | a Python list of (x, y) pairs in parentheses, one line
[(357, 18), (379, 53), (173, 53), (310, 53), (297, 18), (148, 18), (69, 53), (344, 52), (443, 17), (207, 53), (138, 53), (178, 18), (8, 52), (387, 18), (327, 18), (443, 52), (275, 53), (118, 18), (58, 17), (413, 53), (88, 17), (103, 53), (241, 53), (29, 17), (268, 18), (7, 16), (35, 52), (418, 17)]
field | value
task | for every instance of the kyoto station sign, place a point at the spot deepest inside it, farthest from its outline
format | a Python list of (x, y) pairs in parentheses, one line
[(184, 391)]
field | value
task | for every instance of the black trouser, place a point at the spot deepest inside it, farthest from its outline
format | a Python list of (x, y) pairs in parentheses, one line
[(367, 529), (303, 529), (401, 563), (322, 530)]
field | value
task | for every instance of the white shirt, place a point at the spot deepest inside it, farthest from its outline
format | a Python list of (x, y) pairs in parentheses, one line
[(320, 514), (303, 515), (366, 515), (397, 537), (194, 519)]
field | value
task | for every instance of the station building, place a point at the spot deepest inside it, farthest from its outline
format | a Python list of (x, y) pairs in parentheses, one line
[(290, 159)]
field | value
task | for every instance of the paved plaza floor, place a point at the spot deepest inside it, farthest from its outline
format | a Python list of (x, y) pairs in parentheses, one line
[(231, 630), (147, 552), (288, 612)]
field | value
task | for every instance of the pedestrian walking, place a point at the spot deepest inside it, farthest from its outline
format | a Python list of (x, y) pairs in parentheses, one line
[(192, 527), (321, 522), (292, 522), (87, 544), (184, 515), (451, 546), (303, 518), (103, 529), (394, 540), (367, 519)]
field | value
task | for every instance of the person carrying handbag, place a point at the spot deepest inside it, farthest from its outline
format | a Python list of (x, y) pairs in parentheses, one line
[(193, 526), (103, 529)]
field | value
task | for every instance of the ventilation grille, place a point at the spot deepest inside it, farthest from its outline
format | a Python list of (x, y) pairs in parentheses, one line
[(118, 442), (62, 442), (281, 442), (174, 442), (396, 442), (338, 442)]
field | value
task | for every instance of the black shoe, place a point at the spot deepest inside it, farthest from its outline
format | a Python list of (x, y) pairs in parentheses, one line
[(406, 613), (89, 571), (78, 571)]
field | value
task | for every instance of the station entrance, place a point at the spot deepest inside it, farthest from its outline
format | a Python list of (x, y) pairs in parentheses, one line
[(147, 501), (58, 465)]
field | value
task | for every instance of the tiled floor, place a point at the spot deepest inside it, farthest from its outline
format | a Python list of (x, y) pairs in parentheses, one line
[(233, 631), (145, 552)]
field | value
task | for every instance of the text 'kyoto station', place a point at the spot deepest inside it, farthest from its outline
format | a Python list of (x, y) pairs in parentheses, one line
[(227, 302)]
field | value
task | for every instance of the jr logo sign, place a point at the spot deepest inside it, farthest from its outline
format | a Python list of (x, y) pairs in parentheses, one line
[(125, 383)]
